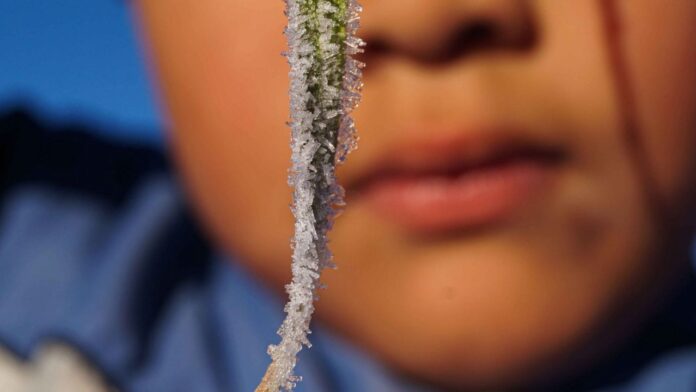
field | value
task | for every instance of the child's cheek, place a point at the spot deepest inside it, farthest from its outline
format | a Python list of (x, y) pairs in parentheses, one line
[(225, 82)]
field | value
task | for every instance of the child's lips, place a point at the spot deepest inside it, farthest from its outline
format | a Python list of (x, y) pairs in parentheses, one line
[(433, 202), (458, 183)]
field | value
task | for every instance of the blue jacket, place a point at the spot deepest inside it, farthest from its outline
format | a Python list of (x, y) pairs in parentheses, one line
[(98, 249)]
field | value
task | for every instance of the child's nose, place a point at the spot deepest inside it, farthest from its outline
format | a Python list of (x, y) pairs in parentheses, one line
[(442, 30)]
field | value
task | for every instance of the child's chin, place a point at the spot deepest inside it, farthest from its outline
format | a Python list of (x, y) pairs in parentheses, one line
[(501, 317), (497, 343)]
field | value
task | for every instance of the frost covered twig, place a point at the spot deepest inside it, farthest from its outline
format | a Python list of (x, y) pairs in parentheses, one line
[(325, 84)]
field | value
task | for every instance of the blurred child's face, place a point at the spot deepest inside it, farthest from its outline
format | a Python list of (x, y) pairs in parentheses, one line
[(530, 263)]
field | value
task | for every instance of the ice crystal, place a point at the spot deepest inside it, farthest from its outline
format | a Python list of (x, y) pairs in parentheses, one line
[(325, 83)]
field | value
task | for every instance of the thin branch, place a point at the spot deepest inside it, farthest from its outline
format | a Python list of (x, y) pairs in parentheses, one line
[(325, 83)]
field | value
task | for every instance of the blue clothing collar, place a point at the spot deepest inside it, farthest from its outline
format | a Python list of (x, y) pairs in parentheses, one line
[(126, 290)]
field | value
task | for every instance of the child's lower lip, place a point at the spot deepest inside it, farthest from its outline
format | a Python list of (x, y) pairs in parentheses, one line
[(432, 203)]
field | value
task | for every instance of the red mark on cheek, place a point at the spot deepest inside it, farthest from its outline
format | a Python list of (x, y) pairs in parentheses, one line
[(615, 33)]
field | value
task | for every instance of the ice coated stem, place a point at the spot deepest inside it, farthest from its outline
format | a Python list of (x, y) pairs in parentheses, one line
[(325, 83)]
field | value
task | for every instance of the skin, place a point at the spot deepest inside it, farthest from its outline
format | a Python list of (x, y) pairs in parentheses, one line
[(562, 281)]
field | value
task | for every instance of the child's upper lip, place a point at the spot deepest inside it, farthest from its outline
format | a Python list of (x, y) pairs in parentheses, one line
[(453, 152)]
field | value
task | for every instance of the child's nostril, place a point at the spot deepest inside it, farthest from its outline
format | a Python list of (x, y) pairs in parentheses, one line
[(472, 36), (484, 36), (468, 38), (476, 34)]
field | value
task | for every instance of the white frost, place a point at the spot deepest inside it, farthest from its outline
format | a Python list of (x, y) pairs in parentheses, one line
[(325, 84)]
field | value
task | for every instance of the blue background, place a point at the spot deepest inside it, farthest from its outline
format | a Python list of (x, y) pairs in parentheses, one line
[(77, 60)]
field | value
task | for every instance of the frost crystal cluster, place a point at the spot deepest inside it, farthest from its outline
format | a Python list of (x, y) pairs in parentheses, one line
[(325, 83)]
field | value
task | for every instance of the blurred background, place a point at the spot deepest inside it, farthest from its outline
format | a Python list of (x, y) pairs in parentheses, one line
[(77, 61)]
